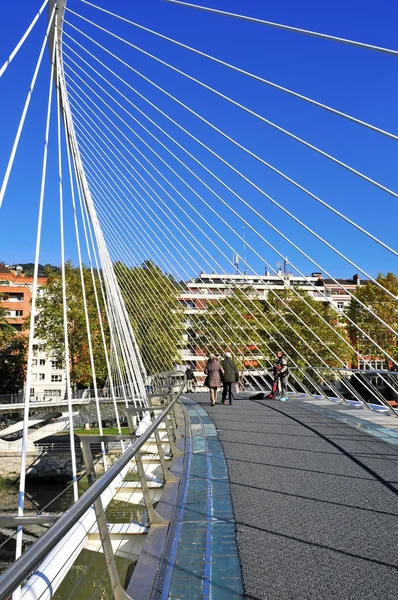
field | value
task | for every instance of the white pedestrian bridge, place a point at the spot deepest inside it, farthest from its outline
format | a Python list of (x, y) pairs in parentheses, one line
[(151, 141)]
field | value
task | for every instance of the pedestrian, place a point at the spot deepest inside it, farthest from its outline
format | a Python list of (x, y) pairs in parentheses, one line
[(281, 375), (214, 373), (230, 378), (191, 379)]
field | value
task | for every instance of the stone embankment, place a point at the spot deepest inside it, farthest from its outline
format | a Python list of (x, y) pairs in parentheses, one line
[(54, 465)]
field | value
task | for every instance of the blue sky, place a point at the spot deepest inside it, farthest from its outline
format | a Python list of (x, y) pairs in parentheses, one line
[(359, 82)]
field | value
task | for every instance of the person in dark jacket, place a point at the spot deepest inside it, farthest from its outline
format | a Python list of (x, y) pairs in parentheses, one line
[(214, 373), (281, 374), (230, 378), (191, 379)]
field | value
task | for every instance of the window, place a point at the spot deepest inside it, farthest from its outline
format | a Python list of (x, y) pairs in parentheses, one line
[(14, 297), (340, 305), (35, 347), (17, 327), (41, 376), (42, 362), (53, 393), (55, 364), (55, 378), (19, 313), (34, 362), (32, 391)]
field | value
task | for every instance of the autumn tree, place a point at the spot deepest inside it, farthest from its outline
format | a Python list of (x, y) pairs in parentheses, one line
[(234, 323), (12, 356), (13, 349), (312, 328), (150, 296), (49, 325), (304, 328), (385, 307)]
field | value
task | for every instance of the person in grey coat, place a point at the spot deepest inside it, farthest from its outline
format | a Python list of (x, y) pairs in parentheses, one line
[(281, 375), (230, 378), (214, 373)]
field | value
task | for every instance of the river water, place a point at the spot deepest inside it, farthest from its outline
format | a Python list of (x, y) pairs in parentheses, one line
[(87, 580)]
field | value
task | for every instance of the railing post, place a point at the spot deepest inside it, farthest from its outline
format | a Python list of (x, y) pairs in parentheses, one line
[(174, 450), (117, 589), (153, 516), (168, 477)]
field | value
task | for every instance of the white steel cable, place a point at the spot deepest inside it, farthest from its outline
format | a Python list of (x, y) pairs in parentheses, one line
[(163, 260), (121, 331), (267, 319), (308, 305), (63, 277), (247, 73), (244, 221), (349, 293), (84, 215), (22, 479), (246, 179), (72, 142), (245, 306), (83, 219), (237, 104), (127, 250), (80, 261), (117, 236), (317, 34), (24, 112), (22, 40), (120, 233), (212, 126), (112, 287), (65, 308)]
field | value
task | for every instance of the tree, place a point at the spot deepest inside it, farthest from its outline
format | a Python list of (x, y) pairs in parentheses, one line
[(306, 329), (4, 312), (13, 347), (12, 355), (240, 323), (156, 315), (234, 323), (386, 308), (49, 325)]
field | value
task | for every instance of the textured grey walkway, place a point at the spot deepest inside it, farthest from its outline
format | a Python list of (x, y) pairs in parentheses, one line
[(315, 502)]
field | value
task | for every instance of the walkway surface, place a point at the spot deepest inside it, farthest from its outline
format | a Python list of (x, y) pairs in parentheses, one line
[(203, 562), (314, 501)]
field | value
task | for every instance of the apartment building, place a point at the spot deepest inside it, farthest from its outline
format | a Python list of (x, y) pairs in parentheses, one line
[(216, 286), (48, 378)]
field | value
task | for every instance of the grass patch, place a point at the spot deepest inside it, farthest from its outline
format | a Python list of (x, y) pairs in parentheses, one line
[(96, 431)]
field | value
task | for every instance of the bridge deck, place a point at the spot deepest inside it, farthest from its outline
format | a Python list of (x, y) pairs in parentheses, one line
[(314, 501)]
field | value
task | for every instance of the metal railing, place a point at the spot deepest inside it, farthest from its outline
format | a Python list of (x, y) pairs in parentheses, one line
[(17, 574), (361, 387)]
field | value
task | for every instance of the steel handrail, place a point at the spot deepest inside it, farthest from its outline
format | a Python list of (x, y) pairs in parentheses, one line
[(25, 565)]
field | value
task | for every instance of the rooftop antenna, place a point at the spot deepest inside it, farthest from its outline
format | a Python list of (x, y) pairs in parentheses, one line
[(285, 264), (236, 263), (244, 247)]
